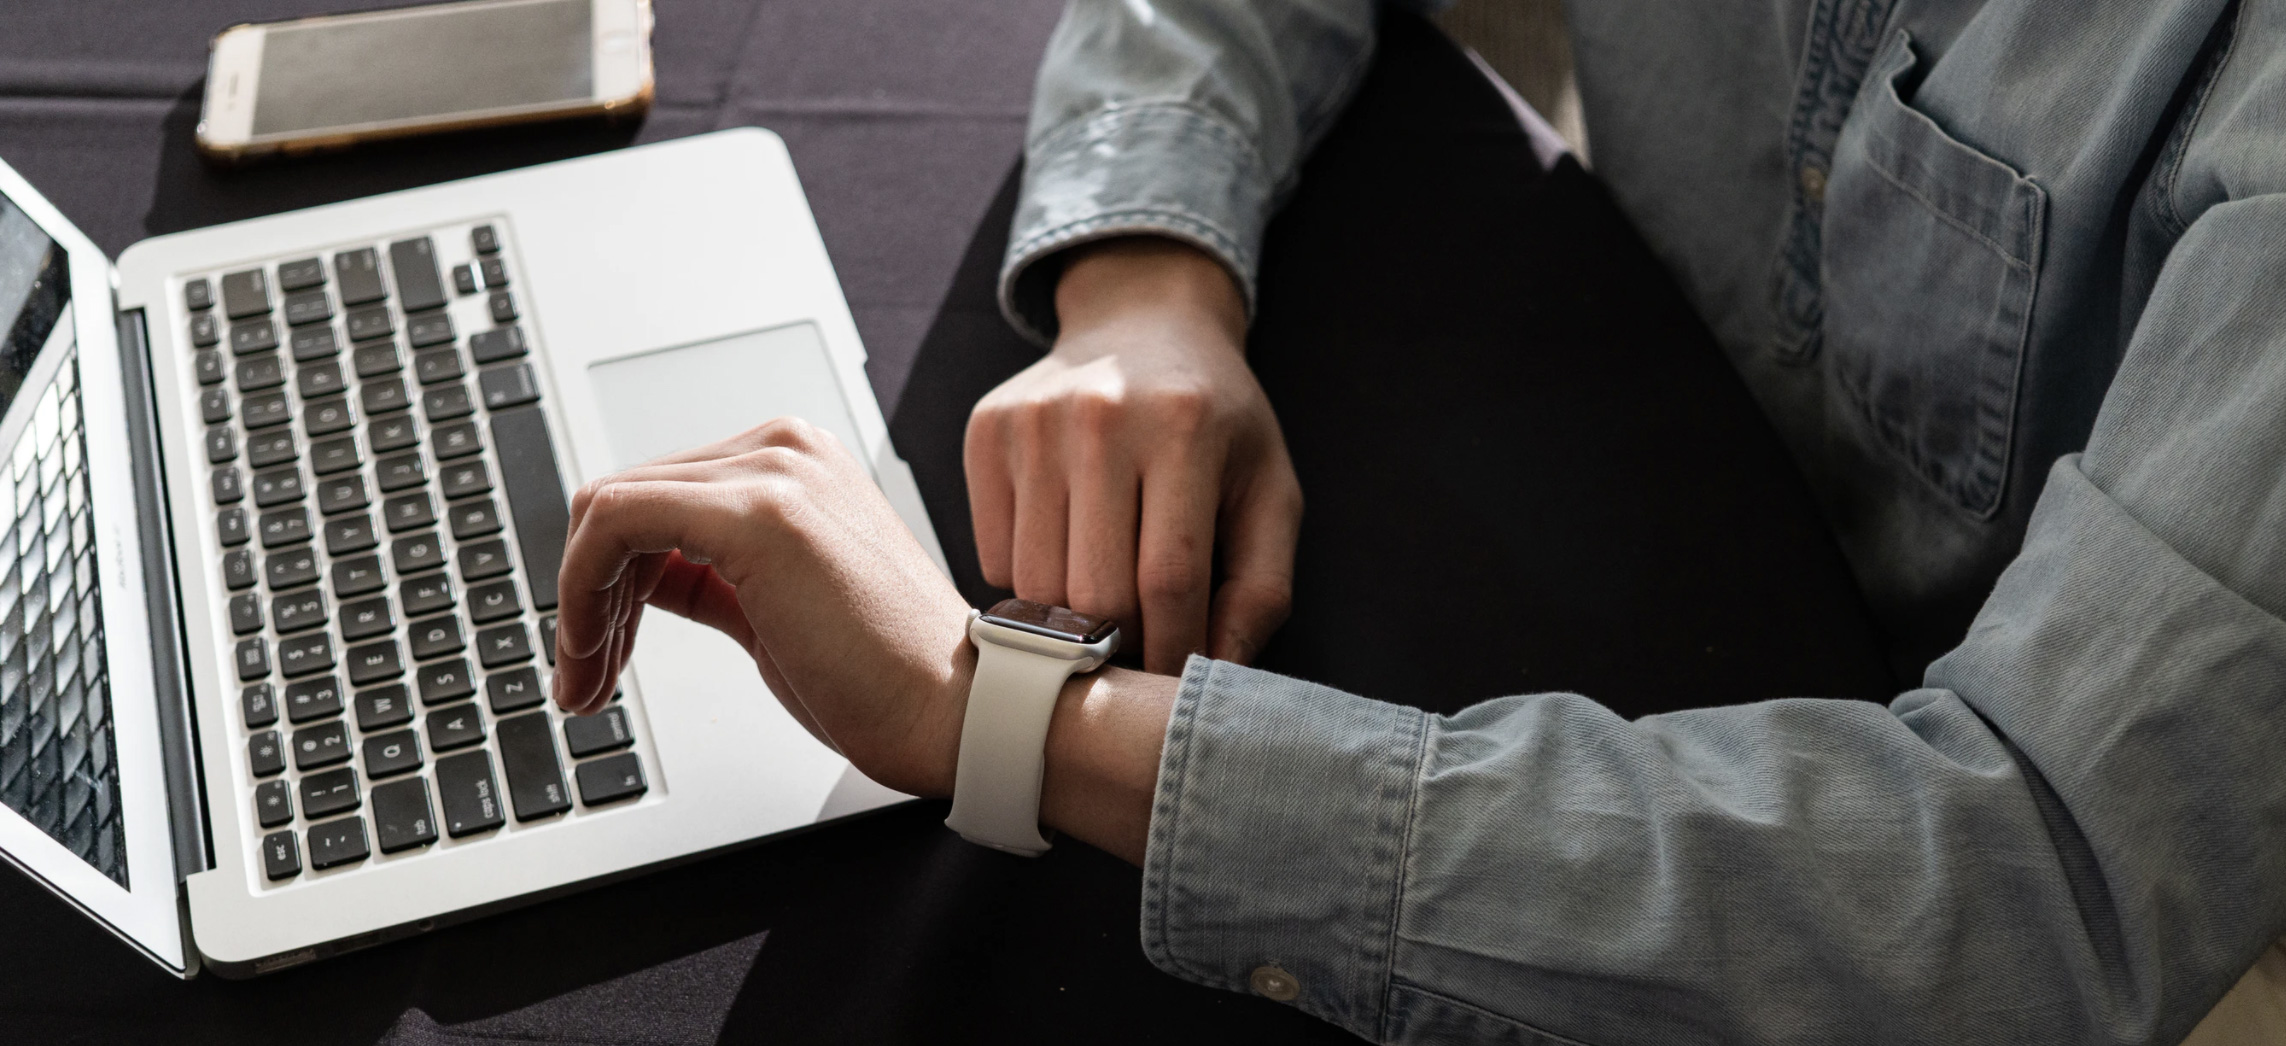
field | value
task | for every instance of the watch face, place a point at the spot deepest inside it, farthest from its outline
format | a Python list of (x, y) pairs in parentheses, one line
[(1071, 626)]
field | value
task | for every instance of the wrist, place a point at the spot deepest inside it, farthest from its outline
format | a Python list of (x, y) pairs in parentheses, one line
[(1102, 767), (1148, 278)]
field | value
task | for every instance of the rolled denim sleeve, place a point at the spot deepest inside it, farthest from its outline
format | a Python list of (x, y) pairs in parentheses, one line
[(2074, 833), (1180, 118)]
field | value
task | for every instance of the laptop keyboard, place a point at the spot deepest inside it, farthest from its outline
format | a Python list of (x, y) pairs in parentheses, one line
[(58, 761), (390, 518)]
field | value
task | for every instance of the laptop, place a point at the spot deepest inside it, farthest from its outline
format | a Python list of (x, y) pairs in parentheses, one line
[(285, 501)]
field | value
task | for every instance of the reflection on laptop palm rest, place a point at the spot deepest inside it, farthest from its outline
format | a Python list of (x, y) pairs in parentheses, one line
[(666, 400)]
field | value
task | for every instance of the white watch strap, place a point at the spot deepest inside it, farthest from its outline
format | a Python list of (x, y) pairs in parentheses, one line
[(1003, 748)]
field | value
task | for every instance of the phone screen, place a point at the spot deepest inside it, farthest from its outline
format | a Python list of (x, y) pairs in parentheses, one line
[(424, 63)]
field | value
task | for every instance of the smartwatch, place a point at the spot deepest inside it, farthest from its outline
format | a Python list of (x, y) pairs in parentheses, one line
[(1024, 653)]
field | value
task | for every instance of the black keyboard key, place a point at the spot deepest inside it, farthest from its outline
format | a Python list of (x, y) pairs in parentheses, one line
[(281, 856), (245, 293), (470, 798), (356, 577), (358, 273), (313, 699), (548, 637), (451, 728), (377, 359), (401, 817), (260, 704), (499, 343), (495, 272), (586, 735), (198, 294), (428, 329), (505, 645), (310, 344), (387, 434), (445, 681), (290, 568), (273, 803), (227, 485), (409, 511), (493, 602), (245, 614), (392, 753), (464, 479), (302, 655), (230, 526), (329, 793), (375, 662), (320, 746), (295, 611), (367, 618), (253, 336), (464, 279), (502, 305), (400, 472), (474, 519), (208, 366), (252, 658), (419, 284), (256, 373), (513, 691), (483, 559), (372, 321), (284, 527), (437, 365), (456, 440), (238, 569), (381, 397), (611, 780), (417, 553), (508, 386), (447, 402), (308, 307), (342, 493), (383, 707), (275, 447), (327, 417), (318, 380), (205, 330), (425, 595), (214, 406), (221, 445), (484, 239), (535, 497), (298, 275), (336, 843), (265, 409), (277, 487), (347, 534), (265, 754), (436, 637), (335, 455), (528, 755)]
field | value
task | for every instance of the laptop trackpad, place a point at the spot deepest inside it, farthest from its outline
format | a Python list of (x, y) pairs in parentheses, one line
[(665, 400)]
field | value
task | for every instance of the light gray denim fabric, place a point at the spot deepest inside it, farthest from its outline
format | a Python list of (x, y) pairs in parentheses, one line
[(2010, 278)]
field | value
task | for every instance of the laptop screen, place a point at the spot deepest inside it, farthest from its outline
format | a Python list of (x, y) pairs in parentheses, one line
[(59, 766)]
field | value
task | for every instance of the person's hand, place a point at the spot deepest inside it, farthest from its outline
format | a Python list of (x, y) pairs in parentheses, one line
[(779, 539), (1102, 477)]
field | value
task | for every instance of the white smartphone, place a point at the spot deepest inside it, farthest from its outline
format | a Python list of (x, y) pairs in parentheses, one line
[(334, 81)]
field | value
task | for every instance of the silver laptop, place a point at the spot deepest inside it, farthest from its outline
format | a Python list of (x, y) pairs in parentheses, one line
[(284, 502)]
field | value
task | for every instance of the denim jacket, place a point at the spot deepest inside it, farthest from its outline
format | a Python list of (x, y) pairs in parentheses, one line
[(2009, 276)]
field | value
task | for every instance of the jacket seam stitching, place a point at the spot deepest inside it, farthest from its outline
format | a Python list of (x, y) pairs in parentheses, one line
[(2213, 77), (1418, 758)]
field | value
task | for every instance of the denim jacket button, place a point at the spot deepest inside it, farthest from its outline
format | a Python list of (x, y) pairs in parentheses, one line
[(1813, 183), (1271, 982)]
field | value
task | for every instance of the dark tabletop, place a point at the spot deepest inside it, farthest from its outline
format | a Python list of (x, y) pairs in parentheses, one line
[(1527, 468)]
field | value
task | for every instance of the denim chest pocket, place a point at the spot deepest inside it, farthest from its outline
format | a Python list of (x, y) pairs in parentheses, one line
[(1931, 261)]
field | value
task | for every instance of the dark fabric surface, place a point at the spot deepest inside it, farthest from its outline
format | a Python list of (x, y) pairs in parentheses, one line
[(1527, 468)]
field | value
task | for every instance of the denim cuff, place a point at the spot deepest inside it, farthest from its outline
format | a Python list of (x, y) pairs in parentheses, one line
[(1158, 168), (1278, 838)]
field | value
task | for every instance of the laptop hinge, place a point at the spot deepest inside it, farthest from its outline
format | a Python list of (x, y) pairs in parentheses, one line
[(178, 730)]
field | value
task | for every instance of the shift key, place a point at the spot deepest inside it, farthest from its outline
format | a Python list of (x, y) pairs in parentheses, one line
[(535, 778)]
